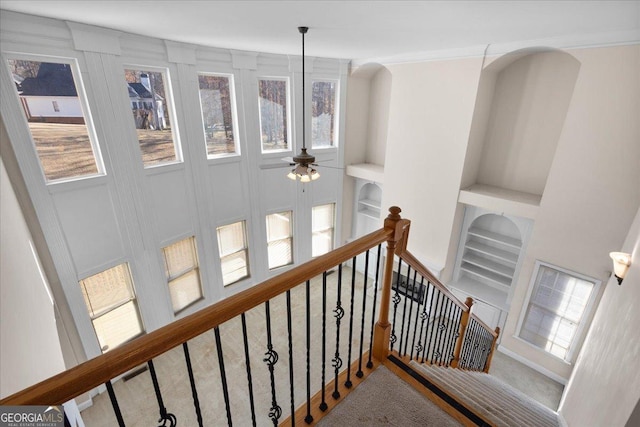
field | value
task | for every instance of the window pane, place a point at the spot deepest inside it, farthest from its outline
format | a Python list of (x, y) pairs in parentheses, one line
[(323, 109), (280, 253), (118, 326), (556, 309), (217, 114), (150, 108), (234, 267), (273, 114), (185, 290), (322, 220), (111, 304), (56, 119), (231, 238), (278, 226), (180, 257), (107, 289)]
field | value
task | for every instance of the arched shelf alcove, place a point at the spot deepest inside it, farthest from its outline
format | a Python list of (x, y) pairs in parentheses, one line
[(521, 106)]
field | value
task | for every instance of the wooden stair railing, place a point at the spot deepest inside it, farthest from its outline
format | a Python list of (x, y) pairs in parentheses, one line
[(461, 338)]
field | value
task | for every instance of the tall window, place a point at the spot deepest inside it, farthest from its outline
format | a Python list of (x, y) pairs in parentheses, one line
[(55, 111), (558, 306), (272, 97), (323, 220), (183, 276), (323, 114), (111, 303), (280, 239), (150, 104), (234, 253), (216, 101)]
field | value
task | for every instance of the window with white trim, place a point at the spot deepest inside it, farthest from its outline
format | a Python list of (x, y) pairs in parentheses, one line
[(55, 107), (558, 305), (183, 275), (273, 112), (323, 224), (217, 102), (111, 303), (280, 239), (323, 114), (234, 253), (151, 106)]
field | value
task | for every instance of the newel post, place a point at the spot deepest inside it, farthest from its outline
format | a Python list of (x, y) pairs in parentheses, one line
[(487, 365), (464, 320), (382, 331)]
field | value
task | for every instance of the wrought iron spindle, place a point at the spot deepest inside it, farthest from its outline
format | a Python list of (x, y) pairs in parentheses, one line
[(359, 373), (476, 345), (223, 375), (404, 308), (114, 404), (439, 330), (445, 333), (290, 346), (413, 296), (338, 313), (455, 327), (348, 382), (192, 382), (323, 404), (415, 322), (424, 316), (435, 311), (396, 300), (465, 346), (271, 358), (429, 320), (165, 417), (373, 311), (308, 419), (247, 363)]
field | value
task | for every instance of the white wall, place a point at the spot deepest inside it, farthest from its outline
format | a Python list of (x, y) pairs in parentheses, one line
[(29, 346), (430, 114), (592, 191), (604, 387), (378, 117)]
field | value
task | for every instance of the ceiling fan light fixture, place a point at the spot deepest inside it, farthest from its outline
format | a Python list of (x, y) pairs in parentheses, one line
[(303, 161)]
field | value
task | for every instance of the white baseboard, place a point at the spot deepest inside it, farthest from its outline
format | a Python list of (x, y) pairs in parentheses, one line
[(532, 365), (86, 404)]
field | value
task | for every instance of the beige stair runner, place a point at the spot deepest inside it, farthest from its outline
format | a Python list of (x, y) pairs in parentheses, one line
[(491, 399)]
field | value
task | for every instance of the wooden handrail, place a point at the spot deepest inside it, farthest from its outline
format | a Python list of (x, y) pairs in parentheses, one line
[(95, 372)]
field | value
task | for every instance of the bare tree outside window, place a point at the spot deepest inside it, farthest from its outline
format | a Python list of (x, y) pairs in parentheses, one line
[(216, 99), (323, 114), (273, 114)]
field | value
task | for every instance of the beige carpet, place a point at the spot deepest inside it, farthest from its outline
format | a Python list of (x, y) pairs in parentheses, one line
[(383, 399)]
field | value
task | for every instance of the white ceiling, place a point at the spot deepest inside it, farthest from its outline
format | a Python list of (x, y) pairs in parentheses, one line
[(350, 29)]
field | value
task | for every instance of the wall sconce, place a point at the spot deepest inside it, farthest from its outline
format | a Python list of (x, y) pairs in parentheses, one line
[(621, 263)]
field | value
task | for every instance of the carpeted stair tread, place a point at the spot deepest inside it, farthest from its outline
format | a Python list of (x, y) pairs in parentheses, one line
[(509, 405), (489, 397)]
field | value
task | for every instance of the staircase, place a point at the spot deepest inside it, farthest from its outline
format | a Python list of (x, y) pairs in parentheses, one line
[(495, 402)]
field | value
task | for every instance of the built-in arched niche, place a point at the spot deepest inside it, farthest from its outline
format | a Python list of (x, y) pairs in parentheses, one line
[(522, 103)]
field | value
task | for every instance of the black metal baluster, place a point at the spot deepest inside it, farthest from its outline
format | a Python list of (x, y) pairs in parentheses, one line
[(271, 358), (476, 346), (429, 320), (445, 333), (373, 312), (434, 326), (290, 346), (223, 375), (455, 326), (415, 322), (396, 300), (360, 374), (404, 308), (165, 417), (468, 343), (465, 345), (308, 419), (439, 330), (413, 295), (336, 362), (247, 363), (192, 381), (348, 382), (323, 405), (114, 404), (424, 316)]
